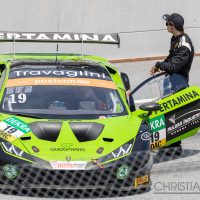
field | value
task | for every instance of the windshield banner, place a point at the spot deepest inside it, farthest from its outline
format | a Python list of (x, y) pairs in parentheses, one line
[(60, 81)]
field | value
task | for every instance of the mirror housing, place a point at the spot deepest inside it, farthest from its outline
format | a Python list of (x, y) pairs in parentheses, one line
[(126, 81), (150, 107)]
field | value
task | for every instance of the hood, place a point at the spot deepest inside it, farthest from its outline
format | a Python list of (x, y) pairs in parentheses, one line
[(79, 140)]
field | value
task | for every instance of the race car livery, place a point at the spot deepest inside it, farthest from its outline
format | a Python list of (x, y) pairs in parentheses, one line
[(69, 122), (70, 119)]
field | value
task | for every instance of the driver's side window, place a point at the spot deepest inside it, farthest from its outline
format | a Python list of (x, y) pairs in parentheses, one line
[(157, 87), (152, 90)]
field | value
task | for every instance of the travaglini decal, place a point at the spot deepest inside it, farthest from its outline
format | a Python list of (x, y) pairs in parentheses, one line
[(183, 120), (59, 73)]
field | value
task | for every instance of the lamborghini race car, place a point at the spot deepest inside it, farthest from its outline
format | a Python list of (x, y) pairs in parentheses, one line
[(69, 122), (67, 125)]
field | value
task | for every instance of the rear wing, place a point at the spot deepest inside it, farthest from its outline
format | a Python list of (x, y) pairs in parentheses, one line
[(61, 37)]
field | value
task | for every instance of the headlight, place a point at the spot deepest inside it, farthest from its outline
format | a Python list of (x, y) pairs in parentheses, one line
[(10, 148), (122, 151)]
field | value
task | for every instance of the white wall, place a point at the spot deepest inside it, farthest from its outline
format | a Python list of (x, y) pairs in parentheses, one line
[(102, 16)]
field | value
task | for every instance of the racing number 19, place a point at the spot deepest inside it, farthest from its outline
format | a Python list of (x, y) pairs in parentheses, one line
[(155, 137), (20, 98), (10, 129)]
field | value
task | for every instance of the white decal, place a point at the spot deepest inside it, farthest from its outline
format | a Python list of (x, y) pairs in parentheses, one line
[(67, 73), (172, 119), (28, 89), (9, 90), (122, 151), (12, 149), (108, 38), (72, 165), (19, 89), (146, 136), (29, 36), (10, 130), (21, 98), (43, 37), (157, 123), (63, 37), (85, 37)]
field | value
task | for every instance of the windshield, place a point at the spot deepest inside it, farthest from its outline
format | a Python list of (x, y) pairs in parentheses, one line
[(61, 93)]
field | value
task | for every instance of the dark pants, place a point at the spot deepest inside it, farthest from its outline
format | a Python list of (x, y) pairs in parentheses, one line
[(174, 83)]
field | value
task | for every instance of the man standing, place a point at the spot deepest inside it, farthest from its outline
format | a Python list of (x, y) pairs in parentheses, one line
[(177, 65), (181, 52)]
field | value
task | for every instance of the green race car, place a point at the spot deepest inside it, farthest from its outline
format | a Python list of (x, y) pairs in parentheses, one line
[(69, 123), (70, 120)]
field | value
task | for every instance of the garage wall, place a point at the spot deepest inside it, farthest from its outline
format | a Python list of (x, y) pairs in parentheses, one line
[(139, 23)]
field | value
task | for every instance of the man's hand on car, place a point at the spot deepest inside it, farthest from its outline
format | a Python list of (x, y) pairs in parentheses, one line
[(154, 70)]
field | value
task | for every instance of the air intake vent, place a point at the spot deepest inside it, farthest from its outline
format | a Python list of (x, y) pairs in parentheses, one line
[(86, 131), (46, 130)]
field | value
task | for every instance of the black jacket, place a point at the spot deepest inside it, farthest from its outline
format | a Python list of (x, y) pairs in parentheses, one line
[(180, 56)]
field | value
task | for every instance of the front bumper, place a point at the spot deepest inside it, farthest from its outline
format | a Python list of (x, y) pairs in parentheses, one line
[(105, 178)]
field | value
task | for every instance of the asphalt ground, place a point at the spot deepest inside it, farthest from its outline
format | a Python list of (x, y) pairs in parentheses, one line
[(177, 178)]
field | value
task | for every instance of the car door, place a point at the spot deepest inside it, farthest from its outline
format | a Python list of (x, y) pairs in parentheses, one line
[(179, 116)]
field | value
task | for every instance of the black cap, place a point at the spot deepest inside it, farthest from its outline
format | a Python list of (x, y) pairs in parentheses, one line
[(175, 19)]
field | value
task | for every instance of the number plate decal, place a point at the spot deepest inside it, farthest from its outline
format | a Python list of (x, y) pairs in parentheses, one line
[(158, 132), (13, 128)]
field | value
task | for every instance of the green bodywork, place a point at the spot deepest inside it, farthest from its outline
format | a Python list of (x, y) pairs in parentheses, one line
[(121, 129)]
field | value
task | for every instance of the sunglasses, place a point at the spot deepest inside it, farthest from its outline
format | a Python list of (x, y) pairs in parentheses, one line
[(169, 24)]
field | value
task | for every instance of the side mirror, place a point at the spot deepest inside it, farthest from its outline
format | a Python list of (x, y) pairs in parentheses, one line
[(126, 81), (150, 107)]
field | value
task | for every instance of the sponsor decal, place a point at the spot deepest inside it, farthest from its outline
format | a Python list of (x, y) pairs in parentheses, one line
[(123, 172), (183, 120), (172, 119), (158, 139), (72, 165), (146, 136), (66, 149), (157, 123), (11, 171), (18, 124), (19, 90), (141, 180), (60, 37), (158, 132), (12, 149), (59, 73), (13, 128), (61, 81), (123, 150), (5, 135), (173, 103)]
